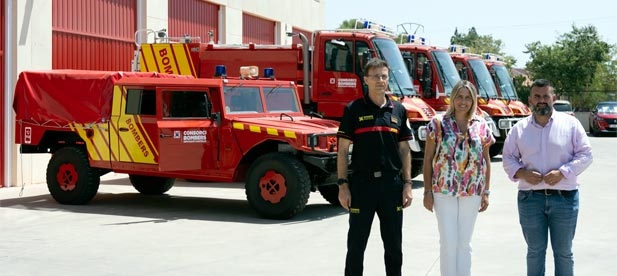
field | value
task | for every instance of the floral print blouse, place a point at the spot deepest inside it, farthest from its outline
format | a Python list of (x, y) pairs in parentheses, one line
[(459, 166)]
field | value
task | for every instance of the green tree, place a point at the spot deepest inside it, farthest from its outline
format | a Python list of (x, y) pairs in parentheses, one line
[(604, 84), (348, 24), (572, 64), (479, 44), (521, 89)]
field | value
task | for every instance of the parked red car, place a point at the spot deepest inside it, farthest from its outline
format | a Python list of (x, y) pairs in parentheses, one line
[(603, 119)]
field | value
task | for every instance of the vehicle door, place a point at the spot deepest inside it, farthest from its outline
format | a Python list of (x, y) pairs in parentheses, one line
[(133, 133), (187, 132), (340, 75)]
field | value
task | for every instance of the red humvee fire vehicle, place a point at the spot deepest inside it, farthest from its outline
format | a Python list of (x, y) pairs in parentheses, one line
[(159, 127)]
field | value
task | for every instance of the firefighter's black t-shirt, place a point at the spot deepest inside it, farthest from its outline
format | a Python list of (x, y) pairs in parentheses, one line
[(375, 133)]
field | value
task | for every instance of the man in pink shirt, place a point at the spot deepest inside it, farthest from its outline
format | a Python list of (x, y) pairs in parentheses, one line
[(545, 153)]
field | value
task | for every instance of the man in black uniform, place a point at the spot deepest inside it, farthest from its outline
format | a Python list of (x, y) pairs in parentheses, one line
[(381, 170)]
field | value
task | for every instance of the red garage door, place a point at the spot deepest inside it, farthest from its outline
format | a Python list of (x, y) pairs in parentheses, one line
[(93, 34), (257, 30), (2, 123), (194, 18)]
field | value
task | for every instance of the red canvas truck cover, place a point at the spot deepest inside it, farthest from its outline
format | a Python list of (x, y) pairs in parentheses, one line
[(60, 97)]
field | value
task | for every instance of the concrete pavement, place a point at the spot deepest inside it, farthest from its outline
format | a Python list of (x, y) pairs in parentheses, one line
[(209, 229)]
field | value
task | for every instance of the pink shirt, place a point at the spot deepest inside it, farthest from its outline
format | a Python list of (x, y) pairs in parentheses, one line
[(561, 144)]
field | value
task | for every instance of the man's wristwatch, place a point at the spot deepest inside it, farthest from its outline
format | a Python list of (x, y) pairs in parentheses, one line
[(486, 192), (341, 181)]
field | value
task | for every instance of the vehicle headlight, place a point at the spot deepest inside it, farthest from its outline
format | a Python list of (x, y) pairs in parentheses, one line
[(504, 124)]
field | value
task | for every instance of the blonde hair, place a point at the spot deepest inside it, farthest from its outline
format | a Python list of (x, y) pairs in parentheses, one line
[(457, 89)]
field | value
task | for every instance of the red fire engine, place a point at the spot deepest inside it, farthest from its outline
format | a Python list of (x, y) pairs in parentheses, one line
[(328, 70), (159, 127), (471, 67), (503, 82), (432, 70)]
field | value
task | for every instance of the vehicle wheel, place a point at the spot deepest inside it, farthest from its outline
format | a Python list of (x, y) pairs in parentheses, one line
[(277, 186), (70, 179), (495, 150), (151, 185), (330, 193), (594, 131)]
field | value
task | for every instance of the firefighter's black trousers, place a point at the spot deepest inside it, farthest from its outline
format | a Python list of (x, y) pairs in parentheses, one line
[(369, 195)]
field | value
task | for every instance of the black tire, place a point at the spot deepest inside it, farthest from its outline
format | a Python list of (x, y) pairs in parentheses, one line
[(495, 150), (70, 179), (595, 132), (151, 185), (330, 193), (277, 186)]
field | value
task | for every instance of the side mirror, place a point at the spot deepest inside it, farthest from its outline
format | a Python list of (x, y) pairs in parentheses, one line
[(216, 116), (338, 43)]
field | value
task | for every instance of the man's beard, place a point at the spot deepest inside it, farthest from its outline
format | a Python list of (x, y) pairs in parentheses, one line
[(541, 110)]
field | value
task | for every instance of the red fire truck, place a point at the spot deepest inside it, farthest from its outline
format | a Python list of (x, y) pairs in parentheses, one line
[(159, 127), (328, 70), (471, 67), (503, 82), (432, 70)]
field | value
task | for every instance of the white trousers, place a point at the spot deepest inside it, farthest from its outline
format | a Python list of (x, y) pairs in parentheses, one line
[(456, 218)]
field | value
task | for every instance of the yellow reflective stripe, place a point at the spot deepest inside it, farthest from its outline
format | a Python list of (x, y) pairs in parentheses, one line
[(96, 145), (146, 136), (167, 58), (255, 129), (267, 130), (289, 134)]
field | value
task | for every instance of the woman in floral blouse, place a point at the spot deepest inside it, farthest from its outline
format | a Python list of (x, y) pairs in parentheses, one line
[(457, 170)]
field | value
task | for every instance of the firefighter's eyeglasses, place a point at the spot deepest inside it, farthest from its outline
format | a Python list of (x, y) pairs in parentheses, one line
[(379, 77)]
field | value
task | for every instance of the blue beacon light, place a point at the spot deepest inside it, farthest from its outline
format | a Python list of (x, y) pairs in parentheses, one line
[(269, 73), (220, 71)]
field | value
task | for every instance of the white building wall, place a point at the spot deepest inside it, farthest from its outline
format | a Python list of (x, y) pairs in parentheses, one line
[(33, 48), (33, 45), (304, 14)]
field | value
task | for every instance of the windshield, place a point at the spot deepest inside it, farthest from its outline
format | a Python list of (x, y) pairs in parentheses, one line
[(610, 108), (565, 107), (504, 82), (281, 99), (484, 82), (446, 69), (400, 82), (247, 99)]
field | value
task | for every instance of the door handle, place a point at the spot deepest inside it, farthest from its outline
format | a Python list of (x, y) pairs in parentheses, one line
[(123, 129), (165, 135)]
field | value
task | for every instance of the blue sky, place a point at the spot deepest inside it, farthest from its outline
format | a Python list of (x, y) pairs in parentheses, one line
[(516, 23)]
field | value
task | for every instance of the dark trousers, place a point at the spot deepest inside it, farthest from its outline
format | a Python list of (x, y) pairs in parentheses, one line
[(383, 196)]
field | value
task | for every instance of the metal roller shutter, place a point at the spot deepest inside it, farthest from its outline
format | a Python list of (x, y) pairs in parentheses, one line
[(194, 18), (297, 40), (93, 34), (257, 30)]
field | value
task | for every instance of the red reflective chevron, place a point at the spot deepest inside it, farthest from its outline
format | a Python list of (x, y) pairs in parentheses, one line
[(376, 129)]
